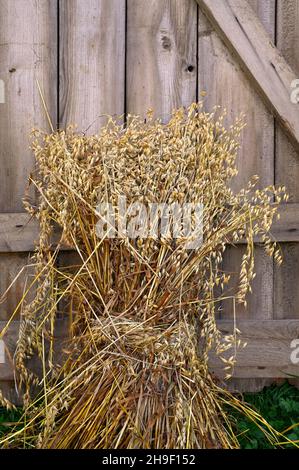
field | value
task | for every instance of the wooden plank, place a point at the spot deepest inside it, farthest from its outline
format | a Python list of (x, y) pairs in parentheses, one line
[(9, 391), (262, 330), (286, 293), (92, 61), (246, 37), (222, 79), (28, 52), (18, 233), (265, 12), (16, 274), (268, 350), (28, 43), (10, 341), (287, 162), (287, 228), (244, 385), (281, 371), (92, 68), (259, 302), (266, 355), (161, 55), (230, 89)]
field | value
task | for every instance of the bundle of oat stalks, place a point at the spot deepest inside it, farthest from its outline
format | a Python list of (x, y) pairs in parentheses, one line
[(140, 310)]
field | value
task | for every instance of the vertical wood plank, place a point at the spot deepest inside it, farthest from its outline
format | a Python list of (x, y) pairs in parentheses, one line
[(28, 52), (92, 35), (28, 46), (286, 277), (161, 55), (11, 266), (92, 61), (265, 10), (92, 68), (227, 86), (260, 301), (224, 83)]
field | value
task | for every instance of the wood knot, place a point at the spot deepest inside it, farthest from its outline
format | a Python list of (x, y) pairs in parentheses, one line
[(190, 68), (166, 43)]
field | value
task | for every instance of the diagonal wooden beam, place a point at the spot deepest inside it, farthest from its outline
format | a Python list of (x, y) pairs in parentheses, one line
[(246, 38)]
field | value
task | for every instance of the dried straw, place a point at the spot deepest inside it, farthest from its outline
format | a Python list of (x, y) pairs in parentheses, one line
[(141, 313)]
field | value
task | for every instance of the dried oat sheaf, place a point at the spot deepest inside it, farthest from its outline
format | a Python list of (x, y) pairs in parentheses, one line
[(140, 313)]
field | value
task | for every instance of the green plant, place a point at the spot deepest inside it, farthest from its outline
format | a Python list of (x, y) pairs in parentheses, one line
[(279, 405), (9, 419)]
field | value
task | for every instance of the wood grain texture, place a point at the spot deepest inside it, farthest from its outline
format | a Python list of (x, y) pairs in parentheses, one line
[(28, 43), (222, 79), (9, 391), (224, 83), (268, 350), (287, 158), (161, 55), (28, 52), (286, 292), (264, 65), (14, 272), (18, 233), (267, 354), (92, 61), (260, 301), (287, 228), (242, 385), (10, 342), (286, 277)]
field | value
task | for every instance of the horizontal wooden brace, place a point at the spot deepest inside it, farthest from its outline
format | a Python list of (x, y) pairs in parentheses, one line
[(18, 233), (267, 354)]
